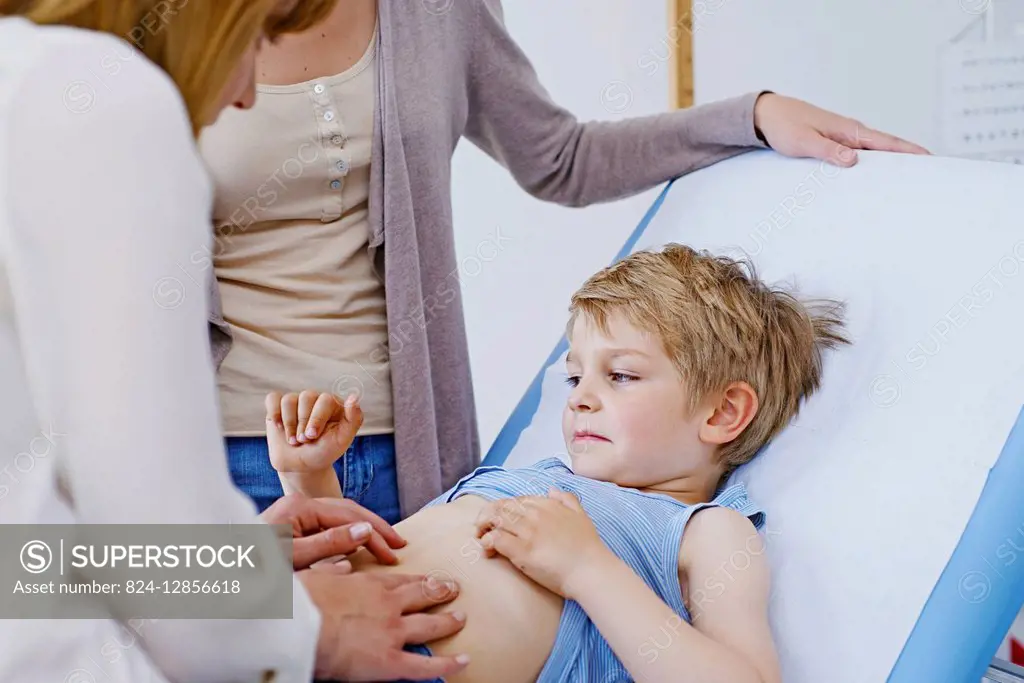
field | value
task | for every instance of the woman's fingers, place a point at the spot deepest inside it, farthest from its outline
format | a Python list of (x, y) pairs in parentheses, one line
[(856, 135), (840, 137), (875, 139), (816, 145)]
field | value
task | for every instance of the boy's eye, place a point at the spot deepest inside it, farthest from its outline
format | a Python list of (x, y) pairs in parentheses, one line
[(621, 377), (572, 380)]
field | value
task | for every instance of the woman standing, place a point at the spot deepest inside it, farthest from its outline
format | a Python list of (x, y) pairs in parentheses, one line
[(335, 253)]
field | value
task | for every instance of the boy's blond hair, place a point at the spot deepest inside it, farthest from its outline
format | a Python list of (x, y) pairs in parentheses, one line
[(719, 324)]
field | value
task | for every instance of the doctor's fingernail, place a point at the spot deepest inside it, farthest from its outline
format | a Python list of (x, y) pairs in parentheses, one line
[(459, 616), (462, 659), (293, 441), (361, 530), (311, 433)]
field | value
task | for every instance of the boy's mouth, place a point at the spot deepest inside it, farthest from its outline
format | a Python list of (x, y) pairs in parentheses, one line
[(586, 435)]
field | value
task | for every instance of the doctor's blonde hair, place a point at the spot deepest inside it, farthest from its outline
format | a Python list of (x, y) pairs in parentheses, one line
[(719, 324), (197, 42)]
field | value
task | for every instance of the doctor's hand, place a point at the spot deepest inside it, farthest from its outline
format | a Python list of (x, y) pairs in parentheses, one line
[(367, 620), (797, 129), (327, 527)]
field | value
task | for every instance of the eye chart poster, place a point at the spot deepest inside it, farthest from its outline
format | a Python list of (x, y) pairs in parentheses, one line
[(982, 100)]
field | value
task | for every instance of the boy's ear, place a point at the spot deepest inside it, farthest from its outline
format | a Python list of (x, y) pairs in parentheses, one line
[(730, 414)]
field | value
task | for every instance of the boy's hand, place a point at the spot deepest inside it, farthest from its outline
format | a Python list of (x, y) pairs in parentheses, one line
[(308, 432), (548, 539)]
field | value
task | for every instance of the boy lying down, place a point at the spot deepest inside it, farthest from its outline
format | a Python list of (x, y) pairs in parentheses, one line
[(682, 365)]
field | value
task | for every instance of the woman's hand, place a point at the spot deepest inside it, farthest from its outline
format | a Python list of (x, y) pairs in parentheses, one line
[(308, 432), (548, 539), (797, 129)]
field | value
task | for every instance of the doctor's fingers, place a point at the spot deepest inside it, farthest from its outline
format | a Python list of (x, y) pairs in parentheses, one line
[(424, 628), (340, 540)]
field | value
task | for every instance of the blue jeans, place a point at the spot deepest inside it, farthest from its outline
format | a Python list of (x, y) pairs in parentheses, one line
[(367, 473)]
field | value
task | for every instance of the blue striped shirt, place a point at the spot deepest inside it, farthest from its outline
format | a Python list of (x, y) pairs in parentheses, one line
[(644, 530)]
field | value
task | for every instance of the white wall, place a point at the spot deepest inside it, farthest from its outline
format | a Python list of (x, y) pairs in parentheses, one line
[(875, 60), (588, 54)]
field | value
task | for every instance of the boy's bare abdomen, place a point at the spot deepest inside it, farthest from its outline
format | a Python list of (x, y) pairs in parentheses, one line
[(511, 621)]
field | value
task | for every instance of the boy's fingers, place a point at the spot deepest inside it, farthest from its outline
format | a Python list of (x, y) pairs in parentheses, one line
[(353, 412), (273, 405), (504, 543), (324, 409), (306, 401), (567, 499), (290, 416), (504, 513), (487, 518)]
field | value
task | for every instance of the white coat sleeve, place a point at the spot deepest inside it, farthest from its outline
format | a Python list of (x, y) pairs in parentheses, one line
[(110, 214)]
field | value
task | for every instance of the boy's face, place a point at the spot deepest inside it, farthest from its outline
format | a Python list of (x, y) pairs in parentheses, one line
[(626, 420)]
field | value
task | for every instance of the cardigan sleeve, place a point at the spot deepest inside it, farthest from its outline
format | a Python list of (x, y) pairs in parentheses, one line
[(557, 158)]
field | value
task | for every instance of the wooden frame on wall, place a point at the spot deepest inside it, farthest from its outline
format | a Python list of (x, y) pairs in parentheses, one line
[(680, 35)]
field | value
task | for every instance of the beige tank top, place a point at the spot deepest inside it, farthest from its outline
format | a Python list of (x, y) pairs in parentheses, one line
[(298, 287)]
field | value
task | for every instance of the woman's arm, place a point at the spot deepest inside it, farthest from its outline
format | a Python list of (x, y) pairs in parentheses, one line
[(730, 640), (107, 206), (557, 158)]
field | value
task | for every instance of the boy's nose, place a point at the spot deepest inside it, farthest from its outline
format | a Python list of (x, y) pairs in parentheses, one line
[(583, 401)]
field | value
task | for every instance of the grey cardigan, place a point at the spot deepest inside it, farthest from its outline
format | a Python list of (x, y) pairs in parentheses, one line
[(449, 68)]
